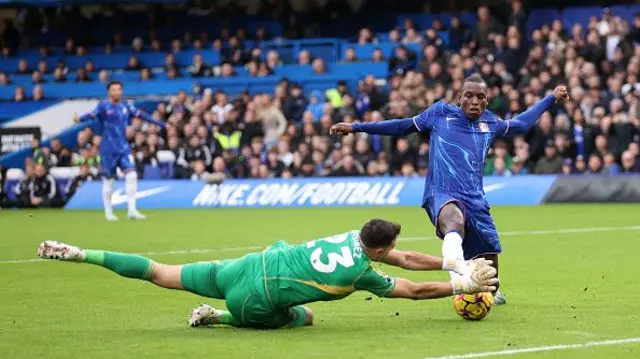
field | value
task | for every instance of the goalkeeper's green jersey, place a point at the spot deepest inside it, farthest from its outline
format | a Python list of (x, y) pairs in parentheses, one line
[(321, 270)]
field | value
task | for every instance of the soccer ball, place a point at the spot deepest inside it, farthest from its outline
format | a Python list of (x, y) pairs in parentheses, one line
[(473, 306)]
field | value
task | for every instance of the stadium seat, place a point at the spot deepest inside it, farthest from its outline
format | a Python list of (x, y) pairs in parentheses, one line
[(152, 172)]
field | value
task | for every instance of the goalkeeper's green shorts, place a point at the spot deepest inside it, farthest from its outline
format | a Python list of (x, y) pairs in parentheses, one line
[(241, 283)]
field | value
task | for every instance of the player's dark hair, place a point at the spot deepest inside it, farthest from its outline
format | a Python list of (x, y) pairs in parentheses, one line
[(475, 78), (378, 233), (112, 83)]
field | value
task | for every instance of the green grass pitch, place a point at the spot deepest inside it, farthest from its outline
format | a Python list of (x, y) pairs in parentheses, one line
[(570, 273)]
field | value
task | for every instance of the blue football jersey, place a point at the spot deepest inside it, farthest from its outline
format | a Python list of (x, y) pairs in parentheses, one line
[(458, 148), (113, 119)]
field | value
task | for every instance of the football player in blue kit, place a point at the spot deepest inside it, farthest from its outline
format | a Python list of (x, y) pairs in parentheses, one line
[(460, 137), (114, 115)]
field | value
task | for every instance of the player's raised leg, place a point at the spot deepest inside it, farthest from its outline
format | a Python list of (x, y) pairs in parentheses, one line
[(451, 226), (126, 265)]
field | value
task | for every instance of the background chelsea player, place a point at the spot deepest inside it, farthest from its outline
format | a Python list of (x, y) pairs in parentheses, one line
[(114, 116)]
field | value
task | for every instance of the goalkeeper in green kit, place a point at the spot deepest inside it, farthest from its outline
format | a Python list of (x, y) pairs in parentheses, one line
[(267, 290)]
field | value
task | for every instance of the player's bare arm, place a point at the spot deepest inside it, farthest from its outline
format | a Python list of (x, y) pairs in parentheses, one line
[(412, 260), (480, 280)]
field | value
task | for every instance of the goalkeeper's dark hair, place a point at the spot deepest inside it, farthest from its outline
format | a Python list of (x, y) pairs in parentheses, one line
[(379, 233), (475, 78)]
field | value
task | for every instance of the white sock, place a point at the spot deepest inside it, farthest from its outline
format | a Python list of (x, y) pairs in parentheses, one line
[(131, 186), (452, 249), (107, 191)]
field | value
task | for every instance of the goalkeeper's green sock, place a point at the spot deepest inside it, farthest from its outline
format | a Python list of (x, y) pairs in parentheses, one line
[(226, 318), (127, 265)]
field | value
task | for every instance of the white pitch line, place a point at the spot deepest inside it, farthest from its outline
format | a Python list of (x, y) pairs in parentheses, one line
[(404, 239), (541, 349)]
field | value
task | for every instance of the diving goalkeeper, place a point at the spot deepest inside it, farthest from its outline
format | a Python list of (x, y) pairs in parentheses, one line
[(267, 290)]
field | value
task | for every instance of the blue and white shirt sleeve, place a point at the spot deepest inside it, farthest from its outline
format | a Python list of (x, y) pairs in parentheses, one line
[(94, 114), (135, 112), (425, 120), (524, 121)]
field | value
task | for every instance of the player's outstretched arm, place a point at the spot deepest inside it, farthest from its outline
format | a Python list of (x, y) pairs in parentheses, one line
[(481, 280), (400, 127), (147, 118), (414, 260), (417, 261), (86, 117), (524, 121)]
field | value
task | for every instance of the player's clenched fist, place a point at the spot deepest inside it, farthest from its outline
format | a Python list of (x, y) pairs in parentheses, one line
[(341, 128), (560, 93)]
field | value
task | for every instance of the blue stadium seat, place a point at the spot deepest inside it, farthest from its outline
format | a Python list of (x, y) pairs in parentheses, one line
[(539, 17), (580, 15), (363, 52), (152, 172)]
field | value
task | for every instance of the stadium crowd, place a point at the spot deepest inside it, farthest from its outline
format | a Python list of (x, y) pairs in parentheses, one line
[(286, 134)]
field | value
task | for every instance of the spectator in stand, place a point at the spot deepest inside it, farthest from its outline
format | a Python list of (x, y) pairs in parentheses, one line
[(295, 104), (594, 165), (518, 16), (458, 33), (19, 95), (23, 189), (403, 61), (133, 64), (4, 79), (103, 77), (316, 104), (89, 67), (221, 107), (628, 163), (145, 74), (318, 67), (23, 67), (412, 37), (273, 59), (199, 171), (348, 167), (59, 76), (43, 190), (350, 56), (37, 94), (78, 181), (36, 78), (137, 45), (486, 29), (551, 163), (377, 55), (199, 68), (226, 70), (81, 75), (274, 122), (365, 36), (304, 58), (60, 154), (402, 154), (394, 36), (500, 167)]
